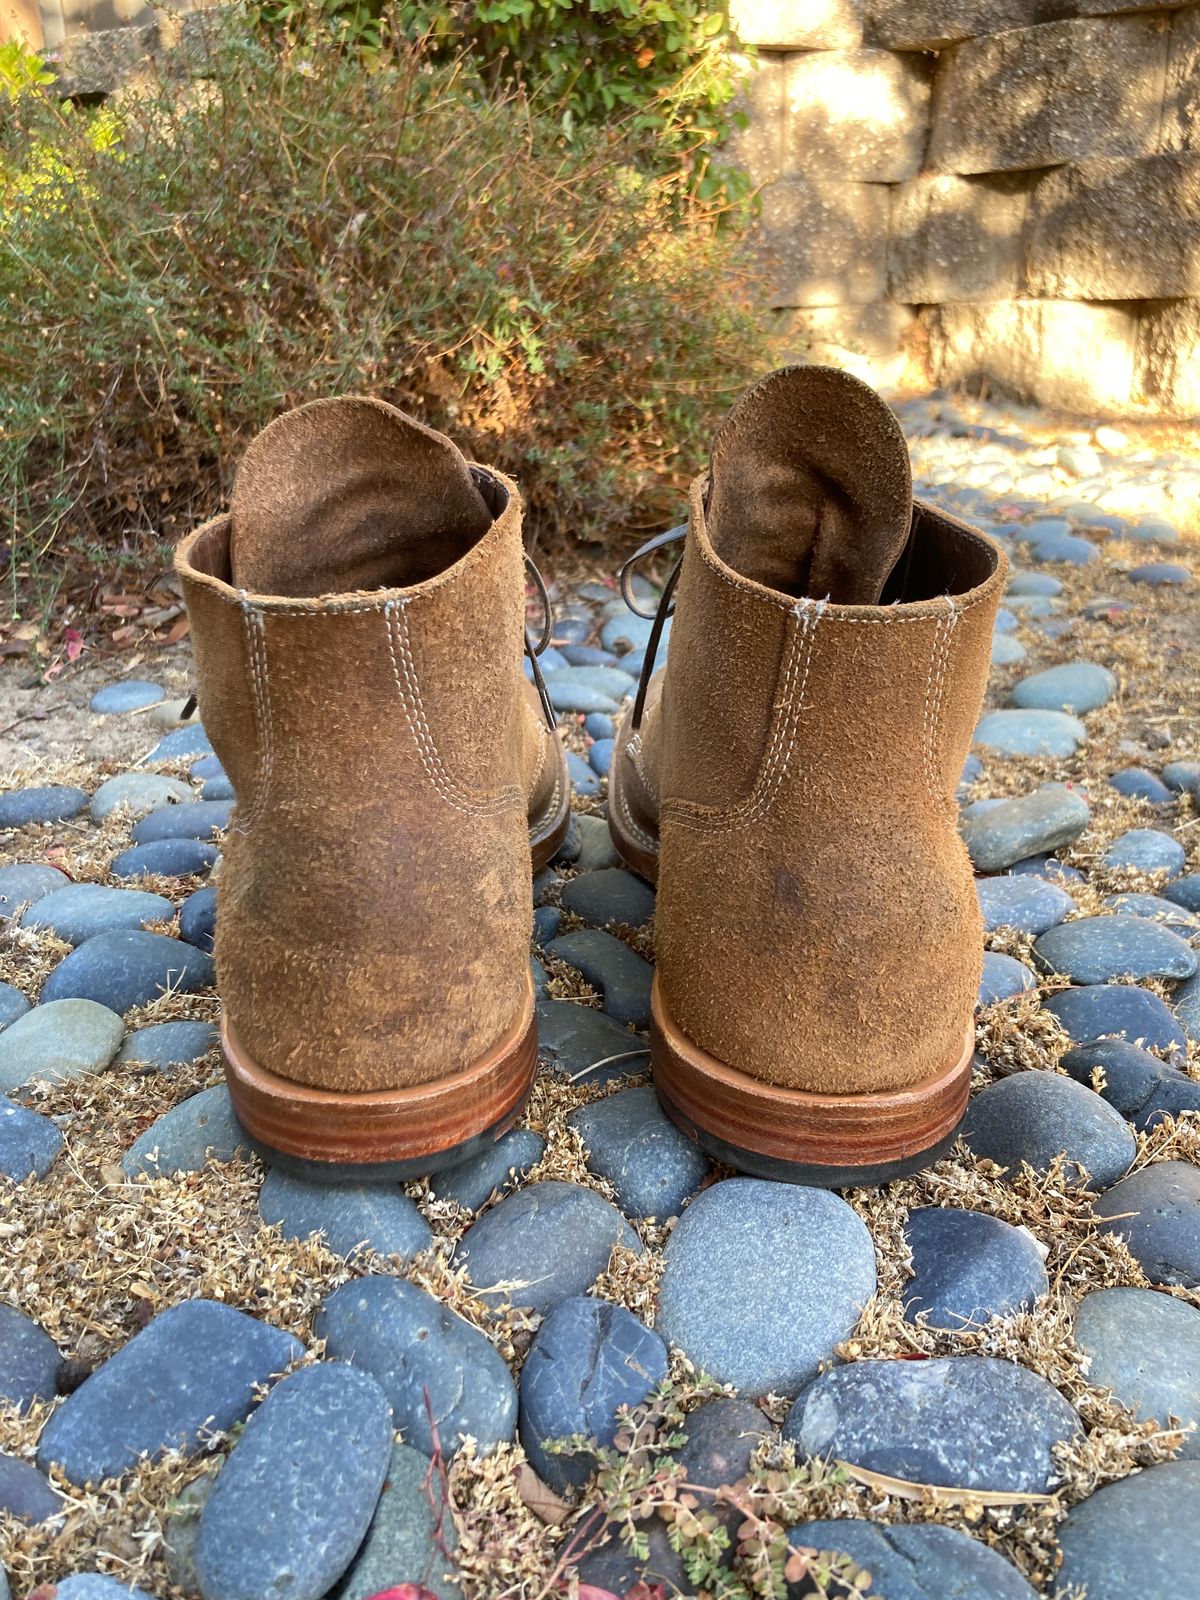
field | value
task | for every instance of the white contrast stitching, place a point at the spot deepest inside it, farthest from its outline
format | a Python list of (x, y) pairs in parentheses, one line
[(638, 832), (935, 697), (256, 654)]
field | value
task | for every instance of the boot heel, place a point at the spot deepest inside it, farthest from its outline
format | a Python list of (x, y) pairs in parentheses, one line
[(387, 1135), (794, 1136)]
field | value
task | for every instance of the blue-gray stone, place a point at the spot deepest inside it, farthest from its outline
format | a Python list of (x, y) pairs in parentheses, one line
[(612, 682), (912, 1561), (1187, 1007), (1145, 1347), (1048, 867), (94, 1586), (1156, 908), (168, 1044), (651, 1165), (583, 780), (546, 922), (131, 694), (631, 633), (29, 1142), (188, 741), (568, 630), (762, 1280), (1139, 1085), (1151, 530), (582, 1043), (1006, 622), (218, 788), (1043, 528), (24, 883), (82, 910), (568, 850), (587, 1359), (1140, 784), (198, 819), (58, 1041), (1027, 583), (472, 1183), (1148, 850), (1157, 1212), (969, 1267), (29, 1360), (1096, 949), (349, 1216), (208, 766), (1138, 1536), (1160, 574), (599, 725), (1030, 733), (1037, 1116), (13, 1004), (124, 969), (600, 756), (295, 1498), (1078, 686), (137, 793), (1070, 548), (1028, 904), (25, 1493), (623, 978), (1184, 891), (53, 802), (587, 655), (407, 1543), (963, 1422), (1024, 826), (596, 849), (1182, 776), (541, 979), (1006, 651), (1117, 1010), (573, 697), (198, 918), (437, 1371), (543, 1244), (609, 896), (1003, 977), (200, 1129), (1031, 605), (165, 858), (193, 1367)]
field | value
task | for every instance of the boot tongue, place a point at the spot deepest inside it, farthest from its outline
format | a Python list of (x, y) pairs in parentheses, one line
[(350, 494), (810, 488)]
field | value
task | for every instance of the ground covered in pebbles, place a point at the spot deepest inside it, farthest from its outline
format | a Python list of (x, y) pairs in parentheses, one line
[(983, 1381)]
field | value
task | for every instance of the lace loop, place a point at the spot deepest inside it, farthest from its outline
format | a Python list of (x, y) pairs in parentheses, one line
[(659, 616), (533, 649)]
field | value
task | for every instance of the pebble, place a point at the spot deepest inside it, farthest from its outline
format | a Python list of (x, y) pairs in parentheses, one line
[(1096, 949), (127, 968), (631, 633), (1006, 623), (25, 1493), (132, 694), (1027, 583), (1138, 1536), (29, 1360), (587, 1046), (1044, 528), (1117, 1009), (1078, 686), (1036, 1116), (1006, 651), (607, 680), (608, 896), (192, 1368), (1032, 605), (165, 858), (543, 1244), (1139, 1085), (198, 918), (472, 1183), (187, 741), (348, 1216), (1152, 530), (960, 1422), (600, 756), (1160, 574), (29, 1142), (168, 1044), (1156, 908), (969, 1267), (583, 780), (405, 1541), (55, 802), (598, 725), (1185, 891), (13, 1004), (630, 1140), (198, 819), (1003, 978), (762, 1280), (596, 849), (918, 1561), (541, 979), (1140, 784), (94, 1586), (587, 1359), (82, 910), (1030, 733), (180, 1530), (218, 788), (1187, 1007), (55, 1042), (1147, 849), (546, 922), (136, 793), (569, 630), (573, 697), (623, 978), (1157, 1212), (1031, 905), (199, 1129), (1070, 548), (293, 1501), (1031, 823), (437, 1371), (1145, 1347), (24, 883)]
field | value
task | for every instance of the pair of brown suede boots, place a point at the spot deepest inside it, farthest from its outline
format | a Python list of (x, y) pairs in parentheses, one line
[(787, 778)]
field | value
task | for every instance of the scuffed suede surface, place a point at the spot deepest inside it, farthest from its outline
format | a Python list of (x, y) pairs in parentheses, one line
[(807, 755), (375, 901)]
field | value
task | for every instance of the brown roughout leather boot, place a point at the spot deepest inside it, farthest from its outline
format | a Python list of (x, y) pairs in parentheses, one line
[(789, 780), (358, 621)]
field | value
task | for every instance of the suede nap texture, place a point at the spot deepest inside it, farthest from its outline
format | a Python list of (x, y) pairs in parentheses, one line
[(374, 906), (797, 760)]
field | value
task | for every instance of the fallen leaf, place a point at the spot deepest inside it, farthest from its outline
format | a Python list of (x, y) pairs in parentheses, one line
[(540, 1498), (938, 1494)]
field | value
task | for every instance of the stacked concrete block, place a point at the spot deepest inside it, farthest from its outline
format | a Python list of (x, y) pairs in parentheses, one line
[(824, 243), (957, 238)]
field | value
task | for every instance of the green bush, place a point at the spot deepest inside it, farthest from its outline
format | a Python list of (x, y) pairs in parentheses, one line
[(303, 222)]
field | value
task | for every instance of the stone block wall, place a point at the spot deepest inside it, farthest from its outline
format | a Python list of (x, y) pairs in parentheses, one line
[(1000, 193)]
